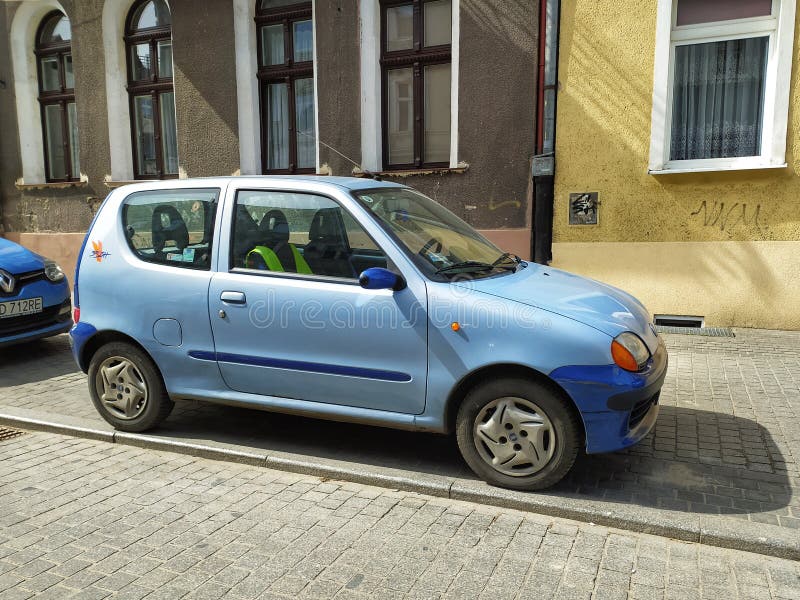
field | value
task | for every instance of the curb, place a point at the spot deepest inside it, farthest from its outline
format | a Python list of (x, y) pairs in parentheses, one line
[(736, 534)]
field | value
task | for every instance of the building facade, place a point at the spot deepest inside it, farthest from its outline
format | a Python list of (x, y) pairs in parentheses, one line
[(440, 94), (678, 155)]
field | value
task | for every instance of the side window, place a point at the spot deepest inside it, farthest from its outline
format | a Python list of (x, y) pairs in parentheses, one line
[(172, 227), (289, 232)]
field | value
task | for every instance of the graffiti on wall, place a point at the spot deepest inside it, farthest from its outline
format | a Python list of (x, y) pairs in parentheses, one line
[(728, 216)]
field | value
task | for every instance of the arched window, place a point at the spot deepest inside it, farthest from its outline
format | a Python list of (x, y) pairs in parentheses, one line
[(148, 39), (57, 98), (286, 83)]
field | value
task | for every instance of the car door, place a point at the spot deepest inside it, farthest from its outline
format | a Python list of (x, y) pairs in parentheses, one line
[(284, 332)]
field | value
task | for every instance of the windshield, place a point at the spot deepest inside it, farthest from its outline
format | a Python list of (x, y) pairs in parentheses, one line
[(440, 243)]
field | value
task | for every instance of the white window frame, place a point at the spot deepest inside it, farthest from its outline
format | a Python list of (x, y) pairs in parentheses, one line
[(780, 28), (371, 99)]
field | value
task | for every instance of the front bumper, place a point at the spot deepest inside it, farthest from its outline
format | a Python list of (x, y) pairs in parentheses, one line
[(618, 407), (53, 320)]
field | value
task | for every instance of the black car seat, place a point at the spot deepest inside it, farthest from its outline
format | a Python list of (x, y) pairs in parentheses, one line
[(246, 235), (327, 251), (168, 226), (275, 252)]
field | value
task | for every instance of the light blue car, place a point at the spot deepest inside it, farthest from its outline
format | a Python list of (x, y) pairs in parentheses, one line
[(363, 301), (34, 296)]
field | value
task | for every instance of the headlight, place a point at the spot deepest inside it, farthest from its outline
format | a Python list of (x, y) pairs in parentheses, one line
[(629, 352), (52, 271)]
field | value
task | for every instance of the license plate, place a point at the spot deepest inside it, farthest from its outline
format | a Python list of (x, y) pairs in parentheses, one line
[(17, 308)]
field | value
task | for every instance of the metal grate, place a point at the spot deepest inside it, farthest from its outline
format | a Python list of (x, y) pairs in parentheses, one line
[(7, 434), (704, 331)]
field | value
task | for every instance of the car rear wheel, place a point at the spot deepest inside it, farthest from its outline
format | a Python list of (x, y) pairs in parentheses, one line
[(127, 389), (518, 434)]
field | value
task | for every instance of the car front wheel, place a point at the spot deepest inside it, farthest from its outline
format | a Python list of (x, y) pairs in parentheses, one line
[(518, 434), (127, 389)]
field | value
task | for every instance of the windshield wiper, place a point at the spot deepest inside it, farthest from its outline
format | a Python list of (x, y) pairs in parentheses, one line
[(507, 256), (465, 266)]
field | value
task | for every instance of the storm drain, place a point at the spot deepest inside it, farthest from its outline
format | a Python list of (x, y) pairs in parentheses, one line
[(704, 331), (7, 434)]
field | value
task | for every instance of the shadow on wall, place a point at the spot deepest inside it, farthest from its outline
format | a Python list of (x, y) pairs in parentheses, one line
[(613, 90), (510, 20)]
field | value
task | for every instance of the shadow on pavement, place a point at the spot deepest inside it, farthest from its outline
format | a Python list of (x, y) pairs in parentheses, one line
[(633, 476), (36, 361)]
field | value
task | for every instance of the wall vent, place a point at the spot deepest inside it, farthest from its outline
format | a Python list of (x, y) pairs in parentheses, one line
[(679, 321)]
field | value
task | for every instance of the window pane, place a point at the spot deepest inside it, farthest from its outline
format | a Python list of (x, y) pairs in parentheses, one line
[(56, 30), (718, 99), (140, 62), (54, 129), (69, 74), (400, 84), (171, 227), (145, 135), (304, 112), (50, 77), (72, 130), (165, 59), (277, 118), (299, 233), (169, 133), (437, 113), (303, 41), (152, 14), (691, 12), (437, 23), (400, 28), (272, 48)]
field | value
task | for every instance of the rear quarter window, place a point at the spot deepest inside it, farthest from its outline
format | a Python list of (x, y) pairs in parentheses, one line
[(171, 227)]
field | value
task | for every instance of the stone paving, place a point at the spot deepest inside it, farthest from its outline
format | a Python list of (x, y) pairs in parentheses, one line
[(87, 519), (727, 441)]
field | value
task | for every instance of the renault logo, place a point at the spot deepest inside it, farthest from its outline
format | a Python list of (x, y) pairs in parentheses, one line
[(7, 282)]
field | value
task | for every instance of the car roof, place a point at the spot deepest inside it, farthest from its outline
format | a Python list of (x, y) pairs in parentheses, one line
[(347, 183)]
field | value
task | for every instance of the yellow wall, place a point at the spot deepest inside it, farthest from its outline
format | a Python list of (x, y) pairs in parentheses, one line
[(603, 143)]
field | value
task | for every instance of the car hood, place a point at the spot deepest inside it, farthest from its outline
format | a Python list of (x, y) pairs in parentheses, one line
[(596, 304), (15, 259)]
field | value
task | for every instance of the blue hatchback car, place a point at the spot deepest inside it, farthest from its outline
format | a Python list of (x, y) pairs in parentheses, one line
[(363, 301), (34, 296)]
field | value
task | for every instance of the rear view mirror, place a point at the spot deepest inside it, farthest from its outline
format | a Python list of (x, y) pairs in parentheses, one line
[(377, 278)]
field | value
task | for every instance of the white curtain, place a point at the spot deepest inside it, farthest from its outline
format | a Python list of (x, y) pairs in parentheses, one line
[(278, 132), (304, 114), (718, 99)]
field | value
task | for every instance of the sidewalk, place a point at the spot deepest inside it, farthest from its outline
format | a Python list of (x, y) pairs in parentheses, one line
[(722, 466), (86, 519)]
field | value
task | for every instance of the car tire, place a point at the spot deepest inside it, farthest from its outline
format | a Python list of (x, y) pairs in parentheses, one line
[(127, 389), (518, 433)]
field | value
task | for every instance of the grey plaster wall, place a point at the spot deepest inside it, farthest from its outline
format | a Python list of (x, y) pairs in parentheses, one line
[(497, 107), (339, 84), (205, 87)]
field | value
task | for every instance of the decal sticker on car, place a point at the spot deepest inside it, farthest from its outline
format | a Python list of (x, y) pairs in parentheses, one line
[(98, 253)]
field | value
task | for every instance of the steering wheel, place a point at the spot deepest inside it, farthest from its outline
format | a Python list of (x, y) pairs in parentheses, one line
[(430, 244)]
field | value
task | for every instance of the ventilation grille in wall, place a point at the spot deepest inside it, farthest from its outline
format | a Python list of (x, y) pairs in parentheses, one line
[(688, 325)]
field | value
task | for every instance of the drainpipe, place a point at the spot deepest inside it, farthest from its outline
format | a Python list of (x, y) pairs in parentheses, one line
[(544, 164)]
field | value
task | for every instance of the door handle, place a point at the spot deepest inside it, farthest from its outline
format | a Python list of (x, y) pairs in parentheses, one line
[(233, 297)]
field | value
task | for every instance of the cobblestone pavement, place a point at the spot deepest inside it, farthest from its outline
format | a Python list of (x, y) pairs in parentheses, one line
[(727, 441), (87, 519)]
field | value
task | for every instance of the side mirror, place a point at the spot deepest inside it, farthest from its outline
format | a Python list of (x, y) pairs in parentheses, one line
[(376, 278)]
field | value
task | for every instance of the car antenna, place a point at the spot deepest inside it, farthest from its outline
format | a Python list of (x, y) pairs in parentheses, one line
[(361, 170)]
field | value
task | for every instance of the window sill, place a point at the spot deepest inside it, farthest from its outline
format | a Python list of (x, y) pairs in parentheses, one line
[(116, 184), (57, 185), (719, 168), (412, 172)]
